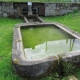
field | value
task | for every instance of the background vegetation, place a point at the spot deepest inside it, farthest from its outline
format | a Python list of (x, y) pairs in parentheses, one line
[(41, 0)]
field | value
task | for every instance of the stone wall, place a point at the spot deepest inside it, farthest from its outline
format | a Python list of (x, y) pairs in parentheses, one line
[(53, 9), (6, 9)]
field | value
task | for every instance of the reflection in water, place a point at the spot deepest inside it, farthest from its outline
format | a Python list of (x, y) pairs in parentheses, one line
[(71, 44), (49, 48), (44, 41)]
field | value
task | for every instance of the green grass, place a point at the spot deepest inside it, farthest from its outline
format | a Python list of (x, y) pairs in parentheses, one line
[(71, 20), (6, 36)]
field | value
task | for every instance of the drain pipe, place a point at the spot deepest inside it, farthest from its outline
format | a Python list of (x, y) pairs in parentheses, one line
[(29, 8)]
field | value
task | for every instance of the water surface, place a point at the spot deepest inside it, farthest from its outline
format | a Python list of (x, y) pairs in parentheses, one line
[(40, 42)]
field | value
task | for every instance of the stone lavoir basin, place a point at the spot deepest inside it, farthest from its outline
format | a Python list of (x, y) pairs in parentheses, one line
[(38, 48)]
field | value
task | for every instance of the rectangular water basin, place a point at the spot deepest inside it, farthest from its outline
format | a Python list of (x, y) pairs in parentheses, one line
[(44, 41), (36, 47)]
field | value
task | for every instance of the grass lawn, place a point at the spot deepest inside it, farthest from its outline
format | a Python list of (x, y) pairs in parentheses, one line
[(6, 37)]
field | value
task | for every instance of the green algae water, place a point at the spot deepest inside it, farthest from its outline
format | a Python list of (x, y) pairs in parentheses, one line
[(40, 42)]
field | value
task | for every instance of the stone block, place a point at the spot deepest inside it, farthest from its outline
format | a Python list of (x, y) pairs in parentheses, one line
[(5, 14), (70, 61)]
